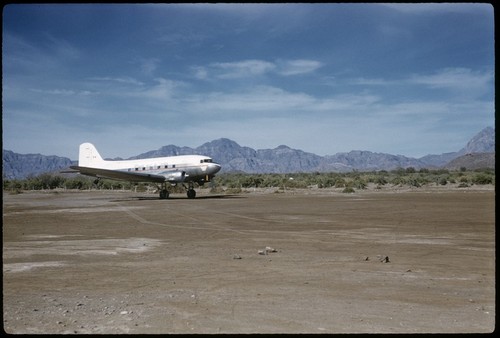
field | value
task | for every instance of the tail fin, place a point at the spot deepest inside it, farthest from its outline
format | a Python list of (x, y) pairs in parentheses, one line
[(89, 156)]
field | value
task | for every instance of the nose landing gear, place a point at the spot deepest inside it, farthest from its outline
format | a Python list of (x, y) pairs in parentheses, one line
[(191, 193)]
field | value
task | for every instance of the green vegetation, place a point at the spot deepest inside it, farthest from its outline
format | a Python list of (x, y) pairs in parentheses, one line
[(238, 182), (357, 180)]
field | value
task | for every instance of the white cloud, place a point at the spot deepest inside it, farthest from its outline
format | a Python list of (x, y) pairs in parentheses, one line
[(246, 68), (260, 100), (455, 78), (62, 92), (162, 90), (295, 67), (451, 78), (201, 73), (62, 48), (362, 81), (435, 8), (148, 66), (124, 80), (252, 68)]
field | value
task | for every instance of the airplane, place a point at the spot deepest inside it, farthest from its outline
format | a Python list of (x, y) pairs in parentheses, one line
[(181, 169)]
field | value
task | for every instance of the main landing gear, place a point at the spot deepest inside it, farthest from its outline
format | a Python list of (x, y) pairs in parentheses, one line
[(191, 193), (164, 194), (163, 191)]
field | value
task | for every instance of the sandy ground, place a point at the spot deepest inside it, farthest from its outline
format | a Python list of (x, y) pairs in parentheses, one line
[(370, 262)]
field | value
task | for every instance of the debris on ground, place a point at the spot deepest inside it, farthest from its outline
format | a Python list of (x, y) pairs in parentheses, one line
[(267, 250), (381, 258)]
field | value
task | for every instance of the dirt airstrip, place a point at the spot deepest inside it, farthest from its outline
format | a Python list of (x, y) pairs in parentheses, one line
[(296, 262)]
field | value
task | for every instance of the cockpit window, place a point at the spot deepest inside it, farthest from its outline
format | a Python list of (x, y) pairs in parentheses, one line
[(206, 160)]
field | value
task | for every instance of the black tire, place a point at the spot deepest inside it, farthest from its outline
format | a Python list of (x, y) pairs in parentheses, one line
[(164, 194), (191, 193)]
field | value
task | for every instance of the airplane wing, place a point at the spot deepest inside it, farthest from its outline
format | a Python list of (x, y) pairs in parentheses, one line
[(120, 175)]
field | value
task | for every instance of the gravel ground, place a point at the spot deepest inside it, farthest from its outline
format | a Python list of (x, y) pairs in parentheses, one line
[(303, 261)]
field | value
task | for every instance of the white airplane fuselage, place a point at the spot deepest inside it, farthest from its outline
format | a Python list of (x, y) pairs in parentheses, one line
[(172, 169), (194, 166)]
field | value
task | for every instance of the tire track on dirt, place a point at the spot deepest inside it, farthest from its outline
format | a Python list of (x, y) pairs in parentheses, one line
[(211, 226)]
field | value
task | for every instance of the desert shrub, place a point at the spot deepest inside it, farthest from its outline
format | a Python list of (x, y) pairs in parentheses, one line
[(15, 186), (399, 171), (326, 182), (463, 179), (340, 183), (348, 190), (79, 182), (398, 180), (442, 180), (296, 183), (271, 180), (482, 178), (414, 182), (40, 182), (359, 183), (441, 171), (380, 180), (423, 179)]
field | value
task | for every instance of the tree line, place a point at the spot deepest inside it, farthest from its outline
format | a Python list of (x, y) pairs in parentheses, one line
[(236, 182), (359, 180)]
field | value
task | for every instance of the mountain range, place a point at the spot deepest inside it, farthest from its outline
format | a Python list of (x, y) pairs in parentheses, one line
[(477, 153)]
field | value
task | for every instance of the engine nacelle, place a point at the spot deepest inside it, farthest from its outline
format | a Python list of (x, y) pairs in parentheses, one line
[(176, 177)]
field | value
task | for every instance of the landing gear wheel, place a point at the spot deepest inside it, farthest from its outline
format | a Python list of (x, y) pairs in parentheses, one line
[(191, 193), (163, 194)]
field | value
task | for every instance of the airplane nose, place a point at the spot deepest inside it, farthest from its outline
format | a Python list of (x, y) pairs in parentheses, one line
[(214, 167)]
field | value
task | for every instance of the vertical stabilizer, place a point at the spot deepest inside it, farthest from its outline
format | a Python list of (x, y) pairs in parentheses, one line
[(89, 156)]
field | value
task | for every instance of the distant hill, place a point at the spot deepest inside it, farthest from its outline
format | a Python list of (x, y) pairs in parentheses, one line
[(282, 159), (472, 161), (368, 161), (22, 166)]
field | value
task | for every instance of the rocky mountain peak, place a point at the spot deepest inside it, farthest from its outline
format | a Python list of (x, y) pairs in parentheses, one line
[(483, 142)]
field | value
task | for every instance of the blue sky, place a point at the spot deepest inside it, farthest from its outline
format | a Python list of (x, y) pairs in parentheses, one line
[(408, 79)]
